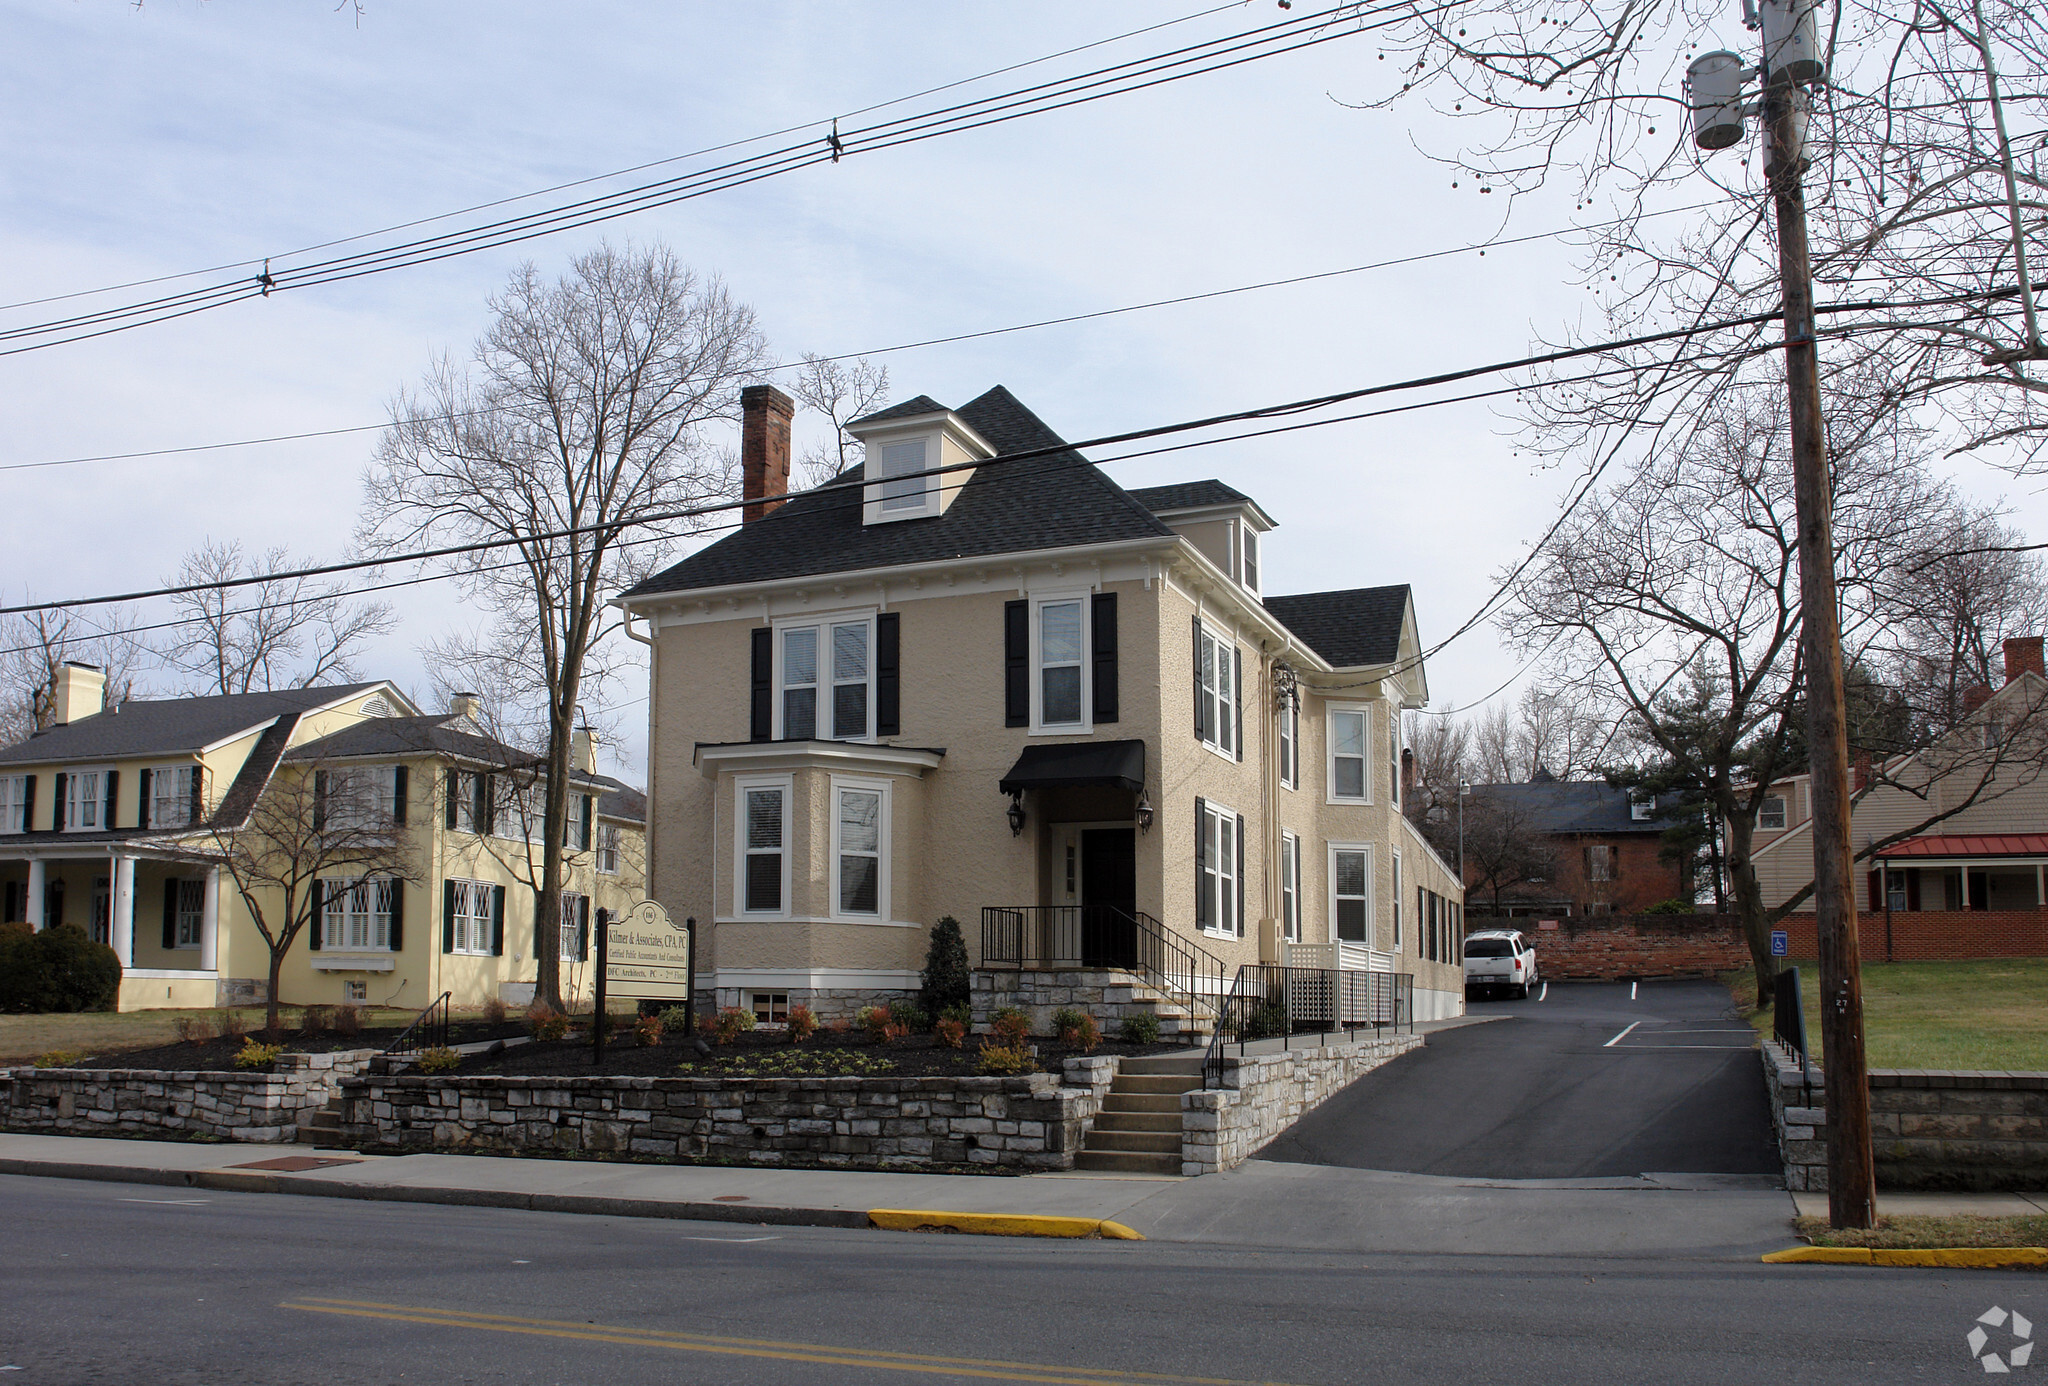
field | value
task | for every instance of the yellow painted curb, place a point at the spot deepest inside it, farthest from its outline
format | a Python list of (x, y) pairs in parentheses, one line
[(999, 1224), (1954, 1257)]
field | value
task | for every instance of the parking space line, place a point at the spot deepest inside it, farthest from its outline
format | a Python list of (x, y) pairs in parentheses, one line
[(1544, 995), (1622, 1036), (1632, 990)]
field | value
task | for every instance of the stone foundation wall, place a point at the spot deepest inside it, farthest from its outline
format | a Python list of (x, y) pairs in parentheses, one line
[(1030, 1122), (1107, 996), (1933, 1130), (1264, 1094), (149, 1103)]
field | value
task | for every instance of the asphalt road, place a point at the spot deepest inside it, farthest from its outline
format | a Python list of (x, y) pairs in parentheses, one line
[(112, 1283), (1594, 1079)]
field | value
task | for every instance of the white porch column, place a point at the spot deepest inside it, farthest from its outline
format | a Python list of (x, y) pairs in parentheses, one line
[(209, 923), (37, 886), (121, 911)]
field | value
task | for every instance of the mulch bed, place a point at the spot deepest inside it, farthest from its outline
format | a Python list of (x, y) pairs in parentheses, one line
[(218, 1055), (769, 1054)]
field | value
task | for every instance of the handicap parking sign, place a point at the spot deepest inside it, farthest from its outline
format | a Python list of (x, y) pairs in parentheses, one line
[(1781, 943)]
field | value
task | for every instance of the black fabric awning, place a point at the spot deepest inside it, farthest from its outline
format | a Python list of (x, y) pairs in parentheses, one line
[(1078, 764)]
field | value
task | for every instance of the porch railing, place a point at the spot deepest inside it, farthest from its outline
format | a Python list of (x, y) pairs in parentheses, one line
[(1269, 1001), (1049, 938), (429, 1030)]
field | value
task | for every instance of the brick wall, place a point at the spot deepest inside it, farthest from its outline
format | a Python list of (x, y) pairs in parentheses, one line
[(1927, 935), (1611, 947), (1640, 877)]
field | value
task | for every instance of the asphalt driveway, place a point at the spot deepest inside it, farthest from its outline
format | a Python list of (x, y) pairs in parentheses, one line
[(1590, 1080)]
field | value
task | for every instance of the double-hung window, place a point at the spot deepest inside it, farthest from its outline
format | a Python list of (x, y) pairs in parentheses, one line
[(1771, 817), (1347, 767), (1394, 863), (827, 680), (470, 920), (860, 835), (575, 919), (1218, 862), (1219, 676), (607, 849), (188, 913), (1351, 891), (360, 797), (1599, 862), (897, 466), (1249, 558), (1290, 886), (357, 913), (84, 791), (763, 846), (171, 795), (14, 804), (1062, 664)]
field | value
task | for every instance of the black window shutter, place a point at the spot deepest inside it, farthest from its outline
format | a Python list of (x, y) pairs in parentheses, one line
[(453, 813), (113, 799), (57, 803), (170, 914), (486, 803), (1240, 871), (197, 809), (1201, 708), (763, 704), (1237, 695), (889, 674), (588, 809), (28, 816), (314, 929), (1102, 636), (1202, 919), (447, 916), (1017, 664), (319, 800), (400, 785), (497, 921), (397, 914), (142, 798), (583, 928)]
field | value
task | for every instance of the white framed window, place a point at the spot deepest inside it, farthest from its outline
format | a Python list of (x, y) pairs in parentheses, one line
[(825, 673), (1351, 891), (1771, 817), (355, 991), (575, 919), (1349, 767), (1290, 886), (472, 794), (860, 848), (472, 918), (607, 849), (1059, 640), (14, 805), (356, 915), (1394, 748), (895, 491), (85, 806), (1394, 863), (761, 876), (769, 1007), (171, 795), (1290, 744), (1216, 871), (360, 797), (1642, 807), (1599, 862), (1249, 559), (188, 913), (1218, 680)]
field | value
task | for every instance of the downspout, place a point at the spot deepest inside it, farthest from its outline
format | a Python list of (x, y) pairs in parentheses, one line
[(646, 824), (1269, 772)]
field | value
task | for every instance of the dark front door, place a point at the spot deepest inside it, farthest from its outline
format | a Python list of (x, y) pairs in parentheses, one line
[(1109, 897)]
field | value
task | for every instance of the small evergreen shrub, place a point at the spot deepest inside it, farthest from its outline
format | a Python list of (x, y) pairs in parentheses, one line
[(1076, 1027), (945, 982), (951, 1033), (439, 1059), (675, 1018), (1672, 906), (732, 1022), (1004, 1061), (1139, 1028), (57, 970), (910, 1016), (960, 1011), (256, 1055)]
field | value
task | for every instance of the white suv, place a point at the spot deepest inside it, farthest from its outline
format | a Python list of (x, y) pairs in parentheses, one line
[(1500, 958)]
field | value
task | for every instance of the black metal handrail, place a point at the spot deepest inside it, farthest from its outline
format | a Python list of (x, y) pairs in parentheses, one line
[(1049, 938), (1788, 1019), (1269, 1001), (429, 1029)]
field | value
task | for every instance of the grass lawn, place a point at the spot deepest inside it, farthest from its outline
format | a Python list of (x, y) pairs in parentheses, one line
[(22, 1037), (1918, 1232), (1988, 1013)]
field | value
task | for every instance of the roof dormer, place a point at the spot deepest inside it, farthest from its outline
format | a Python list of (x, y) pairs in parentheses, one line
[(1223, 523), (913, 450)]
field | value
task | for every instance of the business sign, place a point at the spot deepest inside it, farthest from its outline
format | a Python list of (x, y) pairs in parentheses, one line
[(646, 955), (1781, 944)]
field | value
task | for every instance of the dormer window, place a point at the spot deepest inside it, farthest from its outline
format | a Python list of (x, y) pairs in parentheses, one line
[(1641, 807), (916, 464), (899, 467)]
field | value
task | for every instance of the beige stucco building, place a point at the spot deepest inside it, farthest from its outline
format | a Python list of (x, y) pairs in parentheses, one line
[(980, 679), (118, 820)]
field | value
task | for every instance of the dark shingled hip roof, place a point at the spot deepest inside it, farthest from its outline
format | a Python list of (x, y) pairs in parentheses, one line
[(1574, 806), (1052, 502), (444, 734), (166, 725), (1361, 625), (1189, 495)]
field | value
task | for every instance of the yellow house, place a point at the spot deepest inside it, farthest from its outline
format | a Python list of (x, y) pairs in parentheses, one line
[(124, 821), (978, 678)]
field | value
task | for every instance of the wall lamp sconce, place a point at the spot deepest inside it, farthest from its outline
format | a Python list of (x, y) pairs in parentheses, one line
[(1016, 814), (1144, 813)]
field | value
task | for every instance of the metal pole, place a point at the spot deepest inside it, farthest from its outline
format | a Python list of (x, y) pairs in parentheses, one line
[(597, 1018), (1851, 1173), (690, 977)]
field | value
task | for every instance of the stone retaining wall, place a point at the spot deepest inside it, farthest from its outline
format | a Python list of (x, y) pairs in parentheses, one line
[(1030, 1122), (151, 1103), (1264, 1094), (1109, 997), (1929, 1130)]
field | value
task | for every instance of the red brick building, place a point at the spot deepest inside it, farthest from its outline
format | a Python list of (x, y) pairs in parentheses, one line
[(1604, 852)]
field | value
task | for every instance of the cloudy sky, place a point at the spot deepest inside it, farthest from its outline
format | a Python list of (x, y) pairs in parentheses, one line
[(175, 135)]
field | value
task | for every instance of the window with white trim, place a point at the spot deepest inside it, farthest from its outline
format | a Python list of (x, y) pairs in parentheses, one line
[(769, 1007), (1217, 874), (1394, 756), (1290, 744), (1771, 817), (859, 845), (607, 849), (1062, 641), (1599, 862), (1218, 677), (357, 914), (472, 919), (1290, 886), (1348, 755), (14, 804), (1250, 559), (170, 795), (763, 875), (825, 680), (1642, 807), (188, 912), (575, 919), (896, 466), (1395, 863), (1351, 891), (360, 797), (84, 790)]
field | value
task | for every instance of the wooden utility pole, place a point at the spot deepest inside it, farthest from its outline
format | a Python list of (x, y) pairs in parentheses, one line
[(1851, 1173)]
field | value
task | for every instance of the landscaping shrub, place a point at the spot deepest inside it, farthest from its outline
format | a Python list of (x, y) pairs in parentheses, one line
[(58, 969), (59, 1058), (876, 1022), (802, 1024), (256, 1054), (232, 1024), (1004, 1061), (676, 1018), (314, 1020), (194, 1029), (547, 1024), (647, 1029), (1140, 1028), (1076, 1027), (20, 972), (951, 1033), (945, 981), (1672, 906), (1267, 1019), (494, 1010), (439, 1059), (348, 1020), (1011, 1026), (960, 1011), (732, 1022), (910, 1016)]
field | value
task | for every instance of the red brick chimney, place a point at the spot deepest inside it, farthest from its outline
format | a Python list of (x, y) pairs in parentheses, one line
[(1974, 697), (1859, 771), (764, 449), (2023, 656)]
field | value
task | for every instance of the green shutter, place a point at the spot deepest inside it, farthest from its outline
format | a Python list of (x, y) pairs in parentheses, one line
[(113, 799), (401, 781), (57, 802), (170, 915), (447, 916), (319, 800), (314, 929), (142, 798), (583, 929), (589, 803), (454, 797), (397, 915), (497, 921)]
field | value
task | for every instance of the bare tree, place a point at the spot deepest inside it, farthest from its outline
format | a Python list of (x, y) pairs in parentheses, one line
[(1504, 847), (1442, 747), (842, 391), (282, 633), (313, 824), (34, 648), (1954, 608), (1550, 730), (589, 405)]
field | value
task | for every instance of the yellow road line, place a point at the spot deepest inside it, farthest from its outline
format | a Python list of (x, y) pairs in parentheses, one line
[(1001, 1224), (879, 1359)]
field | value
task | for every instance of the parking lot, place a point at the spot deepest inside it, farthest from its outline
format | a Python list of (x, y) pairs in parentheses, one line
[(1582, 1080)]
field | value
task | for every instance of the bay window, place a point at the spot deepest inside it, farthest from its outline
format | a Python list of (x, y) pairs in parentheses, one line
[(763, 872), (859, 848)]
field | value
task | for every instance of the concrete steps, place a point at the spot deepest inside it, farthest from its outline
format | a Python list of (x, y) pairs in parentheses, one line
[(321, 1126), (1138, 1130)]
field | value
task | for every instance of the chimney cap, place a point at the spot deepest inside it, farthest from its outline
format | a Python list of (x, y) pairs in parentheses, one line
[(81, 664)]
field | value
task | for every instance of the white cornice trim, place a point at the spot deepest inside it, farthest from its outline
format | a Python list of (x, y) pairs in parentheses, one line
[(751, 756)]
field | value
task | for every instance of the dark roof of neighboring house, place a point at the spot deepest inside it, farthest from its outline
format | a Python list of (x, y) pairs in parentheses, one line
[(1189, 495), (909, 409), (444, 734), (161, 726), (1051, 502), (1361, 625), (621, 801), (1574, 806)]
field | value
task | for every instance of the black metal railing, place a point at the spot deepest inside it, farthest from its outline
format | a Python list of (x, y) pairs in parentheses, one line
[(1269, 1001), (1788, 1019), (1050, 938), (429, 1030)]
